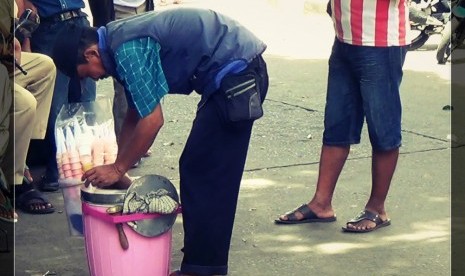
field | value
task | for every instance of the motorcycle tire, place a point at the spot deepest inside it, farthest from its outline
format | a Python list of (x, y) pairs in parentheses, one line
[(418, 41), (444, 47)]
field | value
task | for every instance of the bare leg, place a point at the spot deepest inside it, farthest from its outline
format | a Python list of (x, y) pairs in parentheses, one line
[(383, 166), (332, 160)]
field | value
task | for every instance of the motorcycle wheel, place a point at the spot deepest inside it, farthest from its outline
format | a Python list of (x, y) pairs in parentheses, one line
[(418, 41), (444, 47)]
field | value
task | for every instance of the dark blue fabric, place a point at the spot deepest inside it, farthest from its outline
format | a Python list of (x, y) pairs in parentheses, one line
[(47, 8), (210, 170), (364, 84), (195, 44), (107, 59)]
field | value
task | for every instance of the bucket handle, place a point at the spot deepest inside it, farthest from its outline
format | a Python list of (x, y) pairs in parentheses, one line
[(121, 218)]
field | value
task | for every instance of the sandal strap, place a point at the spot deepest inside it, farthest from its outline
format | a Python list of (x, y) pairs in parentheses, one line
[(29, 195), (6, 202), (303, 209), (366, 215)]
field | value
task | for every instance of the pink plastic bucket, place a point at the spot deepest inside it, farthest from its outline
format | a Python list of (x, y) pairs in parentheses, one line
[(105, 256)]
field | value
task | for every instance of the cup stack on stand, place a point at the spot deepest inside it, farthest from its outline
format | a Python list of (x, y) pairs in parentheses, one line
[(81, 147), (73, 154), (110, 145)]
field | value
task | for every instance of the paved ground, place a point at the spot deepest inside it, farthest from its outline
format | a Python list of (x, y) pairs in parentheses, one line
[(282, 166)]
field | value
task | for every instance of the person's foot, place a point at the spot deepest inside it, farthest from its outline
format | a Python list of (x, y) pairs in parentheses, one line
[(136, 164), (367, 221), (32, 201), (147, 154), (8, 215), (309, 212), (7, 212)]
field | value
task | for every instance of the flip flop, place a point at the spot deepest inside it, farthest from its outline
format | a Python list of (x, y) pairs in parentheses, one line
[(7, 208), (27, 199), (366, 215), (308, 216)]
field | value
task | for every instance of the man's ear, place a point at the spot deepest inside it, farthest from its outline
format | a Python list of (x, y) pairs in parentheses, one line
[(91, 52)]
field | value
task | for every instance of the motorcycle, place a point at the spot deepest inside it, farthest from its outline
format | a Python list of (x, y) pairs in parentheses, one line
[(429, 17), (451, 39)]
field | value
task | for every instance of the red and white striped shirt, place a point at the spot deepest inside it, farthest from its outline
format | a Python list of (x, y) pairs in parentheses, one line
[(378, 23)]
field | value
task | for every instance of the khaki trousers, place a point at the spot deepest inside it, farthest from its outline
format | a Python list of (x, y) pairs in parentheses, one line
[(5, 106), (32, 100), (120, 104)]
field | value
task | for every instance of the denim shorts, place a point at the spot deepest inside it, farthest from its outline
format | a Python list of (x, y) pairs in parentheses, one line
[(363, 84)]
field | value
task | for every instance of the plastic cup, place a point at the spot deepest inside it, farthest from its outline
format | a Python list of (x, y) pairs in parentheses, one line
[(67, 173)]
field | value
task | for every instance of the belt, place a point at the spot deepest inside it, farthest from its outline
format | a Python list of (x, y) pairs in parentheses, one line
[(64, 16)]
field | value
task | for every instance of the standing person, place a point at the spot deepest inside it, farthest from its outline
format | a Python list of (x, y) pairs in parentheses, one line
[(56, 15), (365, 73), (219, 59)]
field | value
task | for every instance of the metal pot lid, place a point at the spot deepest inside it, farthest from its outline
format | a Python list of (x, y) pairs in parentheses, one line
[(96, 196), (157, 226)]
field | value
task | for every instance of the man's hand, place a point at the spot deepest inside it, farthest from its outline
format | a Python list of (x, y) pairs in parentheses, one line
[(17, 51), (102, 176)]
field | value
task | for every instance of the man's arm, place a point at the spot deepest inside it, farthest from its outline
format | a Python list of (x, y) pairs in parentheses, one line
[(139, 136), (136, 139), (146, 88)]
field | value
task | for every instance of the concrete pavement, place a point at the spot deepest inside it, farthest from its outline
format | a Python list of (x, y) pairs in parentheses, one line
[(282, 168)]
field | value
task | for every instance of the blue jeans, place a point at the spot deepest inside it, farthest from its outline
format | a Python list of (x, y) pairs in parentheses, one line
[(66, 89), (363, 83)]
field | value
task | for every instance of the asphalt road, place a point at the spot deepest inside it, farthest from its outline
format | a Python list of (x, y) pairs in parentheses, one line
[(282, 167)]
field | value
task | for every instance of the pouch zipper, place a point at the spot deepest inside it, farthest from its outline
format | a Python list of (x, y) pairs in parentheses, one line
[(239, 86)]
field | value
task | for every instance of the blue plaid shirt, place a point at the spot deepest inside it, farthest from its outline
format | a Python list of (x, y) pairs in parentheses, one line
[(138, 66)]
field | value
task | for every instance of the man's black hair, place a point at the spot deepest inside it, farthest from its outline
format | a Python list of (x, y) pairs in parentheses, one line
[(89, 37), (71, 42)]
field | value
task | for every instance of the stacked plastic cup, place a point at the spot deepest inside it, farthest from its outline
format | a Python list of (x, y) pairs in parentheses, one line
[(61, 156), (73, 154), (98, 147), (110, 145), (85, 148)]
